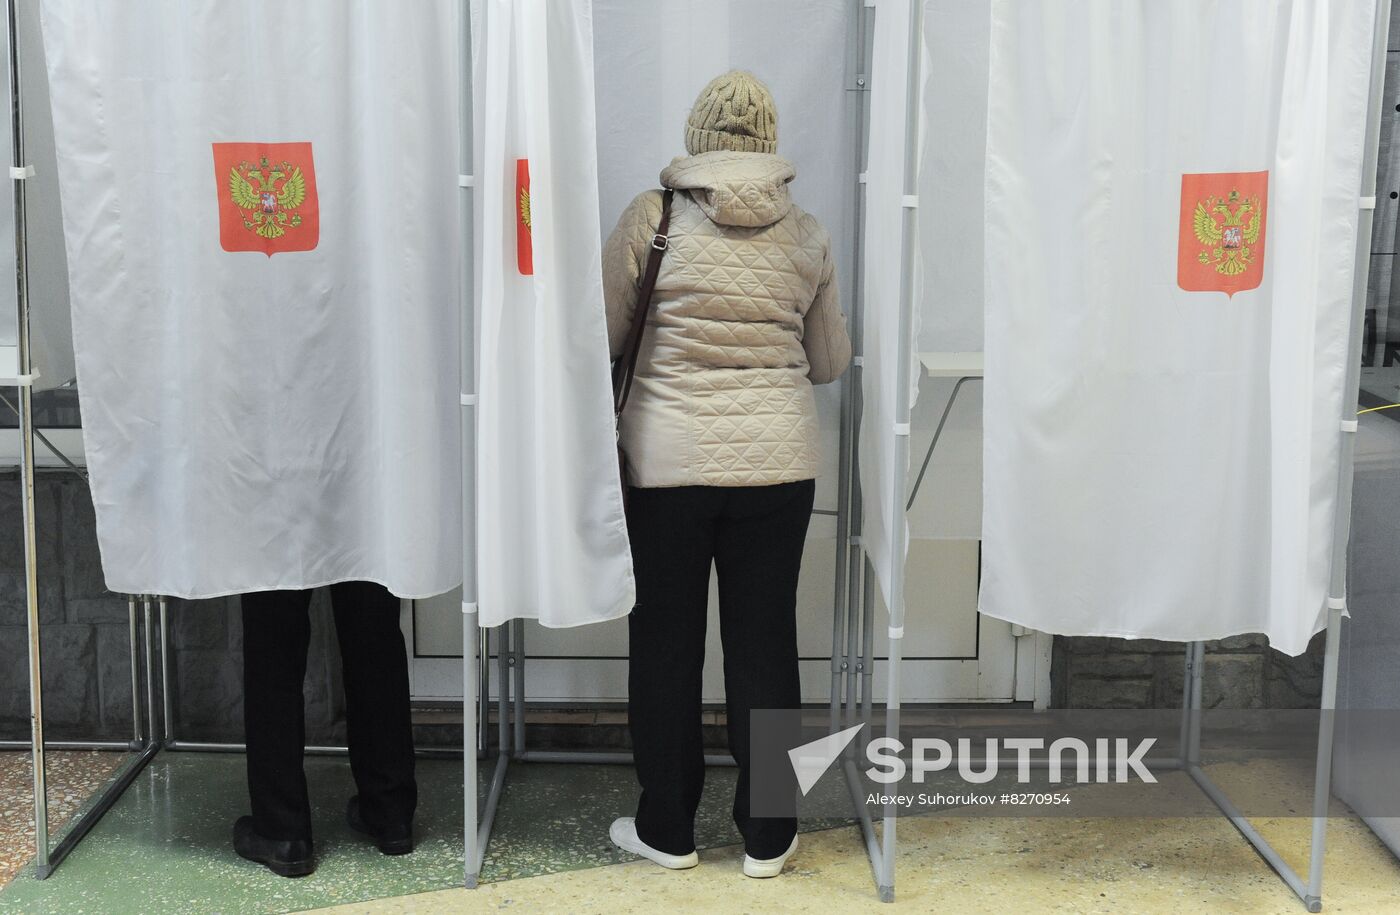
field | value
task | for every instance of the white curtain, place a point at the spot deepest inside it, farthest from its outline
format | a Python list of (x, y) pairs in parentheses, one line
[(1171, 219), (262, 232), (884, 238), (551, 537)]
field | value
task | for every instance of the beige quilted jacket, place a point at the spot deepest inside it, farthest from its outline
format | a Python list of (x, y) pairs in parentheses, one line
[(745, 319)]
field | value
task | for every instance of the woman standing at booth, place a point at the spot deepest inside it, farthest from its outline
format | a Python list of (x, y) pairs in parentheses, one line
[(721, 439)]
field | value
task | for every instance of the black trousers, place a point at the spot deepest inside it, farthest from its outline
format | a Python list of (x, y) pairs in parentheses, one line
[(754, 536), (276, 635)]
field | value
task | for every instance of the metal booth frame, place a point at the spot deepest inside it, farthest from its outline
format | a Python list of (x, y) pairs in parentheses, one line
[(853, 658), (143, 741)]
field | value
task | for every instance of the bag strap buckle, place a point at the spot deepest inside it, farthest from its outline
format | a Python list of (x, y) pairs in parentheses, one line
[(659, 241)]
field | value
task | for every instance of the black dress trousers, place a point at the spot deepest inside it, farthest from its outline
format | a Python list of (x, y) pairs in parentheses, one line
[(754, 536), (276, 635)]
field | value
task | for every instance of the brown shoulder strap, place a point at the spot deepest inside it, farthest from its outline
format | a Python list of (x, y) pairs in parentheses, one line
[(626, 366)]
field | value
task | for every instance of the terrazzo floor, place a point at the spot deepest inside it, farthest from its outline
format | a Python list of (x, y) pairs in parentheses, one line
[(165, 845), (967, 866), (73, 776), (164, 848)]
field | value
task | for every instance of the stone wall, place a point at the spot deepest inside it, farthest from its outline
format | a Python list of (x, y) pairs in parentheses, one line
[(87, 677), (85, 645), (87, 680), (1240, 672)]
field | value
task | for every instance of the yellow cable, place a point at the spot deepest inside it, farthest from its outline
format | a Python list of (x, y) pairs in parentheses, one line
[(1389, 406)]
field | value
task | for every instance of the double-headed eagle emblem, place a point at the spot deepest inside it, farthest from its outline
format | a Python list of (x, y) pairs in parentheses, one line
[(1229, 228), (268, 195)]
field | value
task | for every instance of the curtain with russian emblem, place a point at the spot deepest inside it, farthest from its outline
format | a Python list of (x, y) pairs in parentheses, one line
[(1171, 200), (261, 221), (551, 536)]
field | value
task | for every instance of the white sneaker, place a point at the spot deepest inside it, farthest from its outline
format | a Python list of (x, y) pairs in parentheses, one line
[(623, 833), (768, 867)]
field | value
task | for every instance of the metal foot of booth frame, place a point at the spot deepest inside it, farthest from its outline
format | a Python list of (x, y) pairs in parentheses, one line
[(880, 849), (144, 743)]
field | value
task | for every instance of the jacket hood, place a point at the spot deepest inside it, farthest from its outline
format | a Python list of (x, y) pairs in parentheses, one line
[(735, 188)]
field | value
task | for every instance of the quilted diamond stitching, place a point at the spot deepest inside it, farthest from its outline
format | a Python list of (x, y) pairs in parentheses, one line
[(728, 319)]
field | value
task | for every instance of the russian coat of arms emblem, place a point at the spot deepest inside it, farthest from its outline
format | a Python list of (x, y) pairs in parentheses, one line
[(1221, 247), (267, 197)]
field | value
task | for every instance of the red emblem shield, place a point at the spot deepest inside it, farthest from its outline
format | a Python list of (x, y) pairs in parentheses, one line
[(1223, 217), (524, 246), (267, 197)]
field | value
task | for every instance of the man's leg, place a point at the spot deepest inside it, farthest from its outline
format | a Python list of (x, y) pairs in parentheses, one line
[(377, 719), (276, 632)]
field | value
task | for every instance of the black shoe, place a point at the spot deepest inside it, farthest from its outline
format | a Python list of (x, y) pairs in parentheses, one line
[(391, 840), (284, 857)]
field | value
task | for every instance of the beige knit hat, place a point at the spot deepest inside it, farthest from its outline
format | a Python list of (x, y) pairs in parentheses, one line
[(734, 112)]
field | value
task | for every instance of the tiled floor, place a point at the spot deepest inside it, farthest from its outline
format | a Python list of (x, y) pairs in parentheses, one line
[(73, 777)]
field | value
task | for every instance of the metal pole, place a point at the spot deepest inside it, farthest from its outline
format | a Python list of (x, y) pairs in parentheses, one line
[(857, 582), (167, 716), (842, 605), (136, 732), (473, 653), (903, 404), (606, 758), (503, 743), (67, 745), (1197, 653), (866, 667), (867, 824), (488, 816), (202, 746), (150, 667), (85, 820), (855, 609), (1251, 835), (1322, 787), (1322, 784), (937, 434), (26, 450), (1184, 738), (517, 665), (483, 721)]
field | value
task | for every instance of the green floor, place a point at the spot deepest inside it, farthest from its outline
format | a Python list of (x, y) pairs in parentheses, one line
[(165, 845)]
